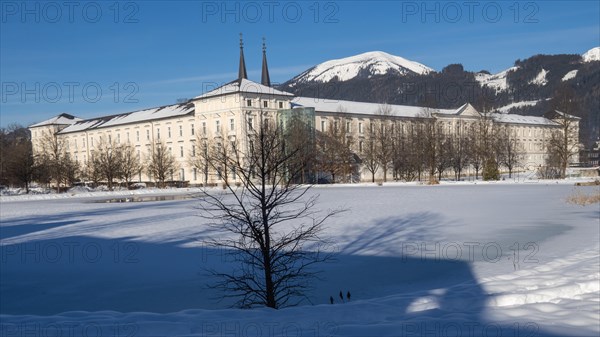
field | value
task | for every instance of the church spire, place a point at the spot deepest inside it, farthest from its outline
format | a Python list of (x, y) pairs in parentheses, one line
[(242, 72), (265, 79)]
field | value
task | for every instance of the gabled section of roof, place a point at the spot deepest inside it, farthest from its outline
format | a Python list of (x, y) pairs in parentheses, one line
[(467, 110), (176, 110), (243, 85), (62, 119)]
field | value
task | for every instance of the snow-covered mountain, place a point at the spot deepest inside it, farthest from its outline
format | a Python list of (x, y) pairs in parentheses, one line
[(362, 65), (591, 55), (525, 88), (499, 81), (496, 81)]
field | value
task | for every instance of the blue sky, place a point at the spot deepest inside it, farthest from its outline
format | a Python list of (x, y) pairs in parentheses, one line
[(98, 58)]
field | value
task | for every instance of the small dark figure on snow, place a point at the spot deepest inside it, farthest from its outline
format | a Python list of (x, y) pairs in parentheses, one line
[(331, 299), (348, 296), (341, 296)]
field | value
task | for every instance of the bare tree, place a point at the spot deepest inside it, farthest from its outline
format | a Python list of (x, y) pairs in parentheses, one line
[(334, 154), (199, 156), (276, 233), (21, 165), (160, 163), (368, 152), (17, 166), (108, 161), (53, 159), (300, 135), (512, 149), (461, 150), (563, 144), (384, 146), (130, 163)]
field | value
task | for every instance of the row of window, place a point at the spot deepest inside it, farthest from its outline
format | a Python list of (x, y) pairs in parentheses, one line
[(265, 104)]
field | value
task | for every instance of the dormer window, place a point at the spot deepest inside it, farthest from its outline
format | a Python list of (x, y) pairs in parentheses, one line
[(265, 104), (248, 102)]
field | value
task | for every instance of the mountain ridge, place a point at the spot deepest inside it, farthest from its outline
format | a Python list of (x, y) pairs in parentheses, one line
[(524, 88)]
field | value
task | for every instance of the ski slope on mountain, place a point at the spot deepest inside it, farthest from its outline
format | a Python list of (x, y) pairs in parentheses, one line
[(478, 259)]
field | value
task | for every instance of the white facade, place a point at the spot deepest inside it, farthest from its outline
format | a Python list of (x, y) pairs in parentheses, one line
[(226, 112)]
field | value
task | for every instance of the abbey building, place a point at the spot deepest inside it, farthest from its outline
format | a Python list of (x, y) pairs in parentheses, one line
[(229, 112)]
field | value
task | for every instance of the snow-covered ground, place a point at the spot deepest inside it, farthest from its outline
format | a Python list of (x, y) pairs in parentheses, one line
[(458, 259)]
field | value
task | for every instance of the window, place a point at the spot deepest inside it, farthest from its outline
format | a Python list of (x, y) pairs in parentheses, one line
[(169, 132), (249, 102), (360, 128), (181, 131), (280, 105), (348, 124), (250, 123), (360, 146), (127, 136), (182, 175), (75, 143), (181, 151), (335, 125), (119, 138), (157, 133), (137, 136), (232, 125), (109, 139), (192, 131), (92, 139), (147, 134), (323, 126), (193, 151), (195, 173), (203, 128), (265, 104), (83, 142), (218, 126)]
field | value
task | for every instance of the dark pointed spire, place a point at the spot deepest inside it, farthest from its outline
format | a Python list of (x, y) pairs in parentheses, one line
[(265, 79), (242, 71)]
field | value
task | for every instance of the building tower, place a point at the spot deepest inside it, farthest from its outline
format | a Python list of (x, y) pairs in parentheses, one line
[(265, 79), (242, 72)]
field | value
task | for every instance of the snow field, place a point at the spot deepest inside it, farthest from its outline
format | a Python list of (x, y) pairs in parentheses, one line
[(528, 266)]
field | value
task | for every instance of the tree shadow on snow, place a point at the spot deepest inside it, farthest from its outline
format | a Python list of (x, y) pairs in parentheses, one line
[(427, 296)]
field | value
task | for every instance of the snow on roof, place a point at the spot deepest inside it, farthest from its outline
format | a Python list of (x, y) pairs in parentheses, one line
[(520, 119), (331, 105), (340, 106), (176, 110), (243, 85), (62, 119)]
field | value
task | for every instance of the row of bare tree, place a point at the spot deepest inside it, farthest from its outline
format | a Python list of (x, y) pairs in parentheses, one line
[(426, 148)]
